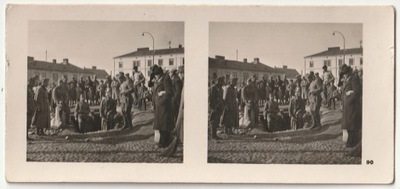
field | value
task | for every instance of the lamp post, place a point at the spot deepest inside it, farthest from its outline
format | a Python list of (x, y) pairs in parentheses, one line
[(153, 50), (344, 45)]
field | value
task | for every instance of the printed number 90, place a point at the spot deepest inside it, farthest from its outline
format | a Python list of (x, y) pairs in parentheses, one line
[(370, 162)]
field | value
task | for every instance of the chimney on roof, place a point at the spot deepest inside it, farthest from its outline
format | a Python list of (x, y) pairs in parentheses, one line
[(180, 46), (333, 48), (65, 61), (284, 66), (245, 60), (94, 67), (218, 57), (143, 49), (30, 59), (256, 60), (54, 61)]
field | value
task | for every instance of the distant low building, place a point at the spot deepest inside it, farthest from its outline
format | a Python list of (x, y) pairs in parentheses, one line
[(219, 66), (290, 73), (333, 59), (55, 71), (168, 59)]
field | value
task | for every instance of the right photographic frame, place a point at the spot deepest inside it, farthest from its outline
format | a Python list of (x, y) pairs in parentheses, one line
[(285, 93)]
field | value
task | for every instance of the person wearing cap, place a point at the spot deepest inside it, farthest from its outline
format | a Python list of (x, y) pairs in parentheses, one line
[(305, 85), (215, 105), (82, 111), (42, 114), (31, 106), (272, 114), (138, 80), (327, 77), (249, 95), (115, 84), (59, 98), (230, 117), (315, 99), (297, 108), (108, 109), (126, 100), (351, 106), (164, 120), (177, 85)]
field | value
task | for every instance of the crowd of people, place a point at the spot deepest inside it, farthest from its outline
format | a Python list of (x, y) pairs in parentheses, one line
[(50, 106), (234, 107)]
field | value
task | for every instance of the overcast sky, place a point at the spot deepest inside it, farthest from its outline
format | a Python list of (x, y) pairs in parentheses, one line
[(278, 44), (95, 43)]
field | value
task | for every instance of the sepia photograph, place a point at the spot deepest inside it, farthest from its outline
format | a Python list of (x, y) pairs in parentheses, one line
[(285, 93), (101, 91)]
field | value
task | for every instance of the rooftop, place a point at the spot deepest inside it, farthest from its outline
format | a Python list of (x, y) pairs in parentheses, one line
[(333, 51), (289, 72), (147, 52), (221, 62)]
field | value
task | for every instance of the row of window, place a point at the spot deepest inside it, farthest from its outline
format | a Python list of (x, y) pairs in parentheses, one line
[(160, 62), (328, 62), (246, 75)]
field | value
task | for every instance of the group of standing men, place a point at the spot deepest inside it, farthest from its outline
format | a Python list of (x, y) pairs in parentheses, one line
[(123, 91), (226, 99)]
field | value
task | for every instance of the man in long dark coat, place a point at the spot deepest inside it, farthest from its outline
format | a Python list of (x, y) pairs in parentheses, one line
[(42, 114), (215, 105), (351, 106), (31, 107), (231, 112), (250, 97), (164, 121), (177, 84), (315, 99), (59, 95)]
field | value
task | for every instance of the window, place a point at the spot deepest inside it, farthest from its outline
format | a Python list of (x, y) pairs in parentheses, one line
[(361, 61), (120, 65), (149, 62), (183, 61), (340, 62), (227, 77), (234, 74), (351, 61), (55, 76), (160, 62), (311, 64), (136, 63), (171, 61), (245, 76), (327, 63)]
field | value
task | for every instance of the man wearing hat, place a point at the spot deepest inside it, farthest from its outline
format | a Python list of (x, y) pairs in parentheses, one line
[(215, 105), (249, 95), (177, 85), (42, 115), (231, 112), (327, 78), (315, 99), (126, 100), (163, 93), (59, 96), (31, 106), (351, 106)]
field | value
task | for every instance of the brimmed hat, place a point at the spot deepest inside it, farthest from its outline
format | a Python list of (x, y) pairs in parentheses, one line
[(345, 69), (158, 71)]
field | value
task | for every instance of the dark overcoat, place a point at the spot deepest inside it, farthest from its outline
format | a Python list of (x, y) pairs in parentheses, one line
[(164, 120), (351, 103), (42, 114), (231, 111)]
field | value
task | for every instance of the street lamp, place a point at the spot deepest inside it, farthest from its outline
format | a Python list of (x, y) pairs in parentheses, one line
[(153, 43), (344, 45)]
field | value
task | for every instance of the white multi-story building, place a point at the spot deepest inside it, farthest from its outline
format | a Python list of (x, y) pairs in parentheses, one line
[(333, 59), (168, 59)]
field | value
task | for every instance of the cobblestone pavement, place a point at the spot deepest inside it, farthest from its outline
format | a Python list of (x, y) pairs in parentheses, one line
[(323, 146), (135, 145)]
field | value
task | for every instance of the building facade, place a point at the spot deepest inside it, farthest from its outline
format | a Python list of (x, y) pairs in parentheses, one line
[(243, 70), (55, 71), (168, 59), (333, 59)]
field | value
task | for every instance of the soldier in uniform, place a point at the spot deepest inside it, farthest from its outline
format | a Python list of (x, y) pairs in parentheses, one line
[(59, 96), (231, 112), (126, 89), (315, 99), (115, 89), (108, 109), (216, 105), (31, 107), (177, 85), (82, 111), (297, 108), (42, 114), (249, 95)]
